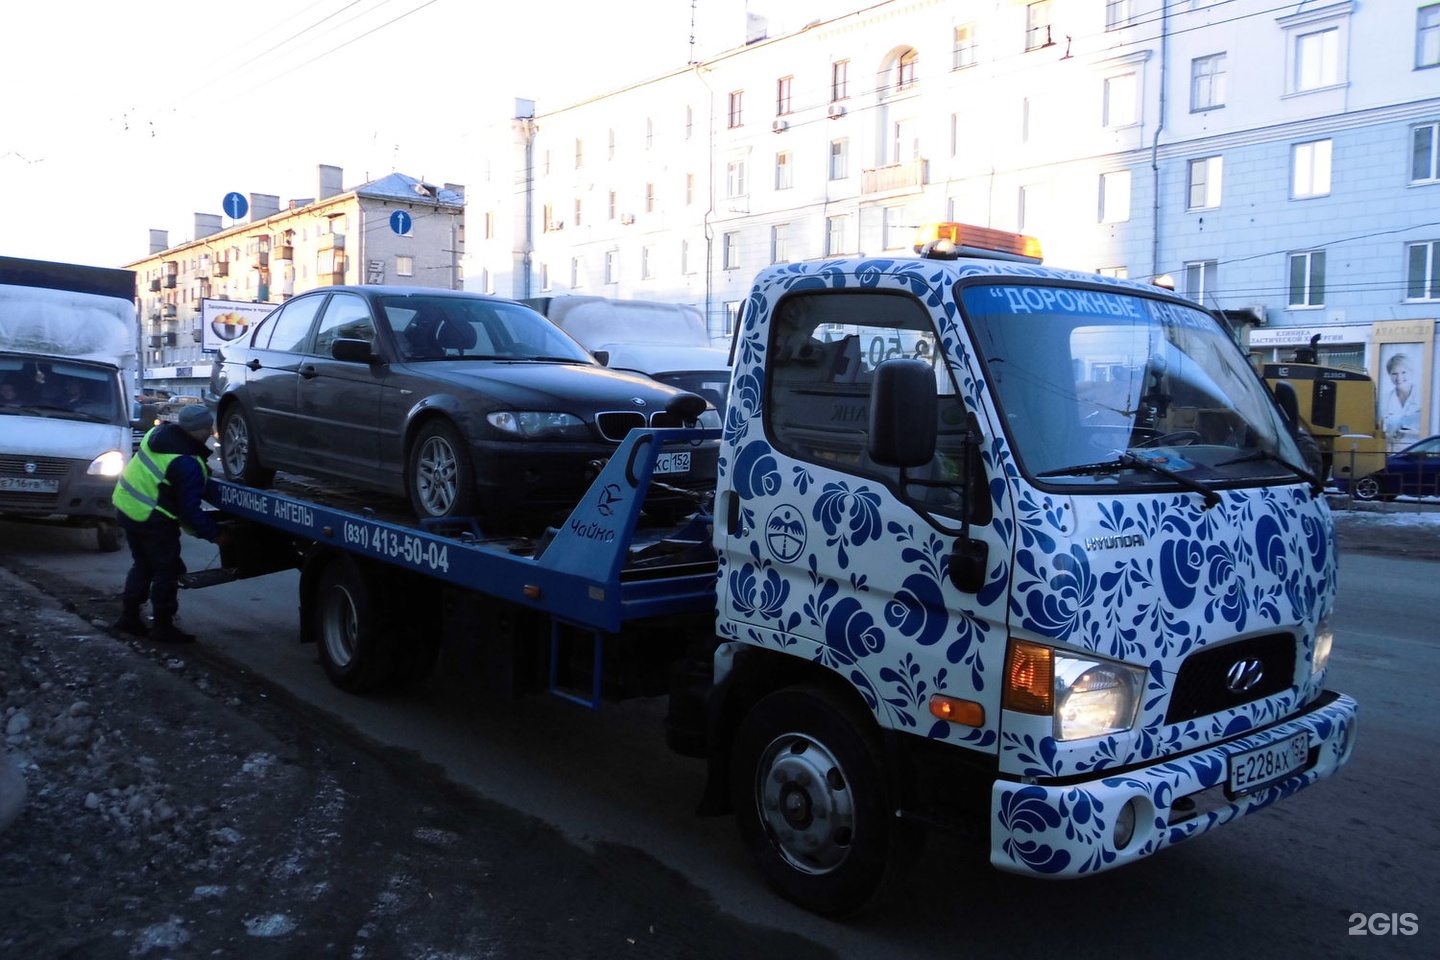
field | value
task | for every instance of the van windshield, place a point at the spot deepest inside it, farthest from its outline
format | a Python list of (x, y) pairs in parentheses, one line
[(60, 389), (1116, 389)]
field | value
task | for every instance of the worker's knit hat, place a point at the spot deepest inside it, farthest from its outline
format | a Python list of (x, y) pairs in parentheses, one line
[(195, 416)]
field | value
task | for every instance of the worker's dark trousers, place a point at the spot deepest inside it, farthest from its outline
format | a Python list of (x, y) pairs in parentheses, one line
[(155, 567)]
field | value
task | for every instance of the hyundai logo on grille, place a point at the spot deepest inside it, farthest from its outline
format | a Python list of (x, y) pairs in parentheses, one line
[(1243, 675)]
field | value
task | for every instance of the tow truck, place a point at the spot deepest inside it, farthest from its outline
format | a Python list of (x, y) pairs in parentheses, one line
[(994, 547)]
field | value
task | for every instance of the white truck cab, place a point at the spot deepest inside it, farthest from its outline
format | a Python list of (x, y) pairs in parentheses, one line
[(1030, 545)]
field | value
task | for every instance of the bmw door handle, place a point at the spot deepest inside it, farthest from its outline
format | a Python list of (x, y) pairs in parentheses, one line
[(254, 364), (309, 372)]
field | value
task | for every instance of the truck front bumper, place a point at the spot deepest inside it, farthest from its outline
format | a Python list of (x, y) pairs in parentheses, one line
[(1075, 829)]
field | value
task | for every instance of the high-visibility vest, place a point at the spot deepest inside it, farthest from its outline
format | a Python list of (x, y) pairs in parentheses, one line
[(137, 494)]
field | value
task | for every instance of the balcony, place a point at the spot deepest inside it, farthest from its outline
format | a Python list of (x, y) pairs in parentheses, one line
[(155, 340), (170, 282), (895, 178), (286, 252), (171, 311), (155, 286), (169, 339), (222, 268)]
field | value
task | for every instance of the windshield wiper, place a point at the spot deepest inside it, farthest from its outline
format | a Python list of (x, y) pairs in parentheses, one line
[(1316, 484), (1130, 460)]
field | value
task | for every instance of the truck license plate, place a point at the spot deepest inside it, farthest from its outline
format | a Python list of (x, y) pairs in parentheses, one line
[(1263, 765), (29, 485), (672, 463)]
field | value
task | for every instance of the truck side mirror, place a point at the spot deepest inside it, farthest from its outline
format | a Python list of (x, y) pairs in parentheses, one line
[(1289, 403), (903, 408)]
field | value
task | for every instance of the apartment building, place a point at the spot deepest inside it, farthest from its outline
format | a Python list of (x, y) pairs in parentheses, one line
[(395, 229), (1278, 161)]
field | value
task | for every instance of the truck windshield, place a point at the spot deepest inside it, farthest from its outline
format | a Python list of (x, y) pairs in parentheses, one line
[(60, 389), (1115, 389)]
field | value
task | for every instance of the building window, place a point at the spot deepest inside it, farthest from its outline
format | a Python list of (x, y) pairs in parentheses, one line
[(647, 263), (839, 80), (835, 235), (610, 205), (485, 281), (1310, 169), (577, 273), (1423, 275), (686, 266), (649, 132), (545, 276), (783, 172), (610, 144), (1115, 196), (1117, 14), (404, 266), (1200, 279), (782, 96), (1427, 36), (1037, 25), (689, 189), (547, 219), (839, 159), (576, 221), (967, 47), (1205, 176), (689, 122), (735, 178), (1425, 152), (650, 198), (1307, 279), (905, 69), (1317, 59), (612, 266), (1119, 273), (489, 224), (737, 108), (1121, 100), (579, 153), (898, 233), (730, 251), (1207, 82), (780, 243)]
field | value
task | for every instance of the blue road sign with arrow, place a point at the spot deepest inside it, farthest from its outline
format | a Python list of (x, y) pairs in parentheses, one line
[(235, 205), (400, 222)]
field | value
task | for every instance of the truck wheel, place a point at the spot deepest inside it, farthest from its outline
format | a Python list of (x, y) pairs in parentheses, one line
[(1367, 489), (351, 636), (441, 481), (812, 804), (107, 536), (237, 451)]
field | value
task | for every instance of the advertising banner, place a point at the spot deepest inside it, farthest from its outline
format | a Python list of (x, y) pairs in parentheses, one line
[(224, 320)]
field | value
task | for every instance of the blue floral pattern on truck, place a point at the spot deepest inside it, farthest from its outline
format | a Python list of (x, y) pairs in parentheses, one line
[(1144, 579)]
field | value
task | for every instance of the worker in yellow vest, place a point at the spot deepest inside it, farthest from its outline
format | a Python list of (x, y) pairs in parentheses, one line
[(160, 494)]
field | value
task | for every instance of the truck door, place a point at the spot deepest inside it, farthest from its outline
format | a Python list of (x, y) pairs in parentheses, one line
[(826, 555)]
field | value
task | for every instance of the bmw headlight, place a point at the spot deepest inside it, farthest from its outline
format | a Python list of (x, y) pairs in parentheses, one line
[(539, 424), (1087, 696)]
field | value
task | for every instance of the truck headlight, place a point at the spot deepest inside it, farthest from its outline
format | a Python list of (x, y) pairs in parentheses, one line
[(539, 424), (109, 464), (1087, 696), (1324, 640)]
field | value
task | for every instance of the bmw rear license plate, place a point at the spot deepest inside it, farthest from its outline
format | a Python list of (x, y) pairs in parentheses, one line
[(1274, 761), (673, 463)]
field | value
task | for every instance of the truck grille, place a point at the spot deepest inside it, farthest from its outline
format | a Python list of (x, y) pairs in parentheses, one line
[(1202, 687), (44, 467)]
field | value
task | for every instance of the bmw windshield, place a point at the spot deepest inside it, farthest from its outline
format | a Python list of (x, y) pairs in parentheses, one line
[(1113, 388)]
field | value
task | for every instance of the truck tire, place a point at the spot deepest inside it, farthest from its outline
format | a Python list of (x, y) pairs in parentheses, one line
[(350, 633), (238, 456), (812, 804), (107, 536), (440, 478)]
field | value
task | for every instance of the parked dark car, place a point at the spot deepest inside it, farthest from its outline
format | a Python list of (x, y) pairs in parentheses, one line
[(1411, 472), (470, 405)]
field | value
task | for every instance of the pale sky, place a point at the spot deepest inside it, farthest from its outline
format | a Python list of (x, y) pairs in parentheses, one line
[(118, 117)]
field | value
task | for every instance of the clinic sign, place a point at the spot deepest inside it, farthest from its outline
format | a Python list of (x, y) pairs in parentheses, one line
[(224, 320)]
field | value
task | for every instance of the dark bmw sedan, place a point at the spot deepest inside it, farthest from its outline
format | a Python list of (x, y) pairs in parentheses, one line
[(467, 404)]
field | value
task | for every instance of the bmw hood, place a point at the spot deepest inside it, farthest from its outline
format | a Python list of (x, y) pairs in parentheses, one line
[(537, 385)]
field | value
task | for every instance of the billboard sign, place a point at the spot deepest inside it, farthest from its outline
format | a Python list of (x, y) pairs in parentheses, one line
[(224, 320)]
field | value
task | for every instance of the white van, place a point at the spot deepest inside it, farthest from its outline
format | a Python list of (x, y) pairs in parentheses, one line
[(68, 369)]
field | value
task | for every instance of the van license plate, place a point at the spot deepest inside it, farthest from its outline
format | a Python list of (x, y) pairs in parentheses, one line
[(29, 485), (672, 463), (1255, 768)]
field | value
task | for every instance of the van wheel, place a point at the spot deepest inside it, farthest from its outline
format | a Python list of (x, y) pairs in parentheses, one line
[(441, 481), (238, 455), (107, 536), (812, 804), (352, 641)]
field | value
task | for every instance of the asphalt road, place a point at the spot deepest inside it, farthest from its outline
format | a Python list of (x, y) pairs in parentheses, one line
[(1310, 877)]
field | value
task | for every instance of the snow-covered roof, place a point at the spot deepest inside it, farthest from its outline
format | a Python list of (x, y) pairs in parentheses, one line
[(398, 186)]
